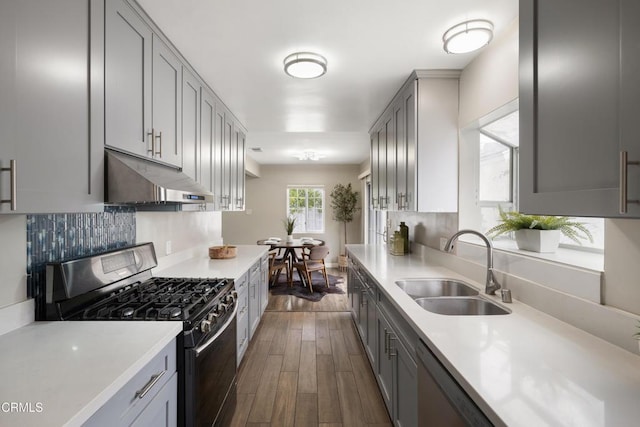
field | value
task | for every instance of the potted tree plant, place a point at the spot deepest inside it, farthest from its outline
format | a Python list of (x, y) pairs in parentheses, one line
[(539, 233), (344, 204), (289, 224)]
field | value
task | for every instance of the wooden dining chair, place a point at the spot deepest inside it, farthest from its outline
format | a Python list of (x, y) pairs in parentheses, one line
[(312, 259), (276, 265)]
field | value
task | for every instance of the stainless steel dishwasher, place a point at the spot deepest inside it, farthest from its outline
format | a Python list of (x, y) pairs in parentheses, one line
[(441, 400)]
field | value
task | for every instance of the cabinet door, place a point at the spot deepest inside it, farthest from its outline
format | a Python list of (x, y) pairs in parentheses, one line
[(264, 284), (355, 301), (218, 157), (410, 144), (207, 133), (162, 411), (391, 200), (372, 335), (167, 88), (401, 155), (375, 171), (45, 81), (569, 103), (362, 314), (254, 298), (128, 42), (240, 172), (384, 367), (630, 96), (405, 383), (227, 169), (382, 168), (191, 125)]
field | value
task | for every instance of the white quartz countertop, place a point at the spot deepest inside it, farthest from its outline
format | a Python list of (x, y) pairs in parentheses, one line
[(198, 264), (63, 372), (522, 369)]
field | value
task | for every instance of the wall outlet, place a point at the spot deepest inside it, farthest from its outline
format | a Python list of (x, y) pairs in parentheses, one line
[(443, 243), (167, 247)]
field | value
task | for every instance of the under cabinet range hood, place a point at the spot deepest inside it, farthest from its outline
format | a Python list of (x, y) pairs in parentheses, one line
[(146, 184)]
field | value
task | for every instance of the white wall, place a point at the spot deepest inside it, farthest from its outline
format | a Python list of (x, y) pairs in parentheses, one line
[(185, 230), (266, 204)]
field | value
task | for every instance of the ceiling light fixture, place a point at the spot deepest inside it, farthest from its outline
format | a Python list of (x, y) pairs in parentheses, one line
[(305, 65), (309, 155), (468, 36)]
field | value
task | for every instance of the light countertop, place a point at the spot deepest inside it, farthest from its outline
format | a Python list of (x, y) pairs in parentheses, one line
[(198, 264), (63, 372), (522, 369)]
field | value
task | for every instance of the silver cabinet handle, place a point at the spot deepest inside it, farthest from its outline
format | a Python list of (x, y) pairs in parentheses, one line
[(391, 352), (624, 163), (13, 196), (159, 152), (386, 341), (140, 394), (152, 136)]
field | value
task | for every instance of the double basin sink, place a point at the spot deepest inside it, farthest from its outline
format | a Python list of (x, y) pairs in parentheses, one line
[(449, 297)]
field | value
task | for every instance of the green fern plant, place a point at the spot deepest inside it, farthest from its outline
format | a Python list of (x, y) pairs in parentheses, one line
[(513, 221)]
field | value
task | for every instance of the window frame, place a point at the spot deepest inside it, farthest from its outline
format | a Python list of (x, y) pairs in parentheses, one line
[(306, 188)]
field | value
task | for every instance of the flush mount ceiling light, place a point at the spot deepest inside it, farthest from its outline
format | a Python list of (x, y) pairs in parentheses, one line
[(468, 36), (305, 65), (309, 155)]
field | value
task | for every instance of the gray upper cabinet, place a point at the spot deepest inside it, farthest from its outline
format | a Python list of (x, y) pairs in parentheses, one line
[(218, 157), (143, 85), (166, 105), (415, 165), (190, 121), (579, 99), (128, 41), (240, 168), (50, 156), (375, 176), (207, 134)]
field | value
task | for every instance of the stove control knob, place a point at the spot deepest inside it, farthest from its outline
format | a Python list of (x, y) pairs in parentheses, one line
[(230, 298), (222, 308), (205, 326), (212, 317)]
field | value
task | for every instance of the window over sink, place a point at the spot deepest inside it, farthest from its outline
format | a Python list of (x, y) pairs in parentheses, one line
[(489, 151)]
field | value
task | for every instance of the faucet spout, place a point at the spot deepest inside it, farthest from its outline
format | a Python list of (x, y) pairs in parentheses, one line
[(491, 285)]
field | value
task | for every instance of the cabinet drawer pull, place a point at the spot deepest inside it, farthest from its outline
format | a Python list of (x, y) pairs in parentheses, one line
[(140, 394), (152, 137), (386, 341), (13, 195), (624, 163)]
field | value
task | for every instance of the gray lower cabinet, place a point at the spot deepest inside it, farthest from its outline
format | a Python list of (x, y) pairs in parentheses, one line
[(149, 399), (389, 343), (242, 316), (264, 284), (579, 103), (51, 155), (255, 280)]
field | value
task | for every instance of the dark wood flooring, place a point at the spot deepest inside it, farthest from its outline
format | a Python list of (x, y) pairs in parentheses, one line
[(306, 366)]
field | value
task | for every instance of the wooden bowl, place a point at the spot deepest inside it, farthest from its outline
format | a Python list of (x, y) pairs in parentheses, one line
[(222, 252)]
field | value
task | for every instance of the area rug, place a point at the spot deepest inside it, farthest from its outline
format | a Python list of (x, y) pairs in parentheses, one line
[(299, 290)]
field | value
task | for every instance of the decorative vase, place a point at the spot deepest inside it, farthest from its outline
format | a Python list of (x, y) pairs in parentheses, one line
[(289, 238), (544, 241)]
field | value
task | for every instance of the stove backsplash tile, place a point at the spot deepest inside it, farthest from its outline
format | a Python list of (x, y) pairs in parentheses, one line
[(57, 237)]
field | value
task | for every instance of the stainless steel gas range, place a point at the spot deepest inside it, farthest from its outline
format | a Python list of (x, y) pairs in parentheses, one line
[(119, 285)]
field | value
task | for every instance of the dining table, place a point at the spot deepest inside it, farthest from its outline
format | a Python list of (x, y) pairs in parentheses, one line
[(290, 247)]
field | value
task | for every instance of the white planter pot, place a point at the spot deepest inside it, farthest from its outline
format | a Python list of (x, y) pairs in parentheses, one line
[(290, 238), (545, 241)]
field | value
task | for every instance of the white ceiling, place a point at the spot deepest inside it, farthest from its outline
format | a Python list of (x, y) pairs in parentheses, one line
[(371, 47)]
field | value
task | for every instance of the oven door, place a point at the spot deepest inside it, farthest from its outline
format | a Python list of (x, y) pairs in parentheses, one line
[(210, 378)]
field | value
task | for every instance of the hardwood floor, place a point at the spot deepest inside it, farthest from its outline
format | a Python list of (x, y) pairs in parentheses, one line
[(305, 366)]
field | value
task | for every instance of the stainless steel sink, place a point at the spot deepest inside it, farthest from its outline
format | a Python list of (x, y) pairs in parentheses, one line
[(420, 288), (461, 306)]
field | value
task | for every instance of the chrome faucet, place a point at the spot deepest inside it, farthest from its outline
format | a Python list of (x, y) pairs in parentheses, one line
[(492, 285)]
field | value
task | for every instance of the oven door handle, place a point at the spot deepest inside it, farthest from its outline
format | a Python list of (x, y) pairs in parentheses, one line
[(203, 347)]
